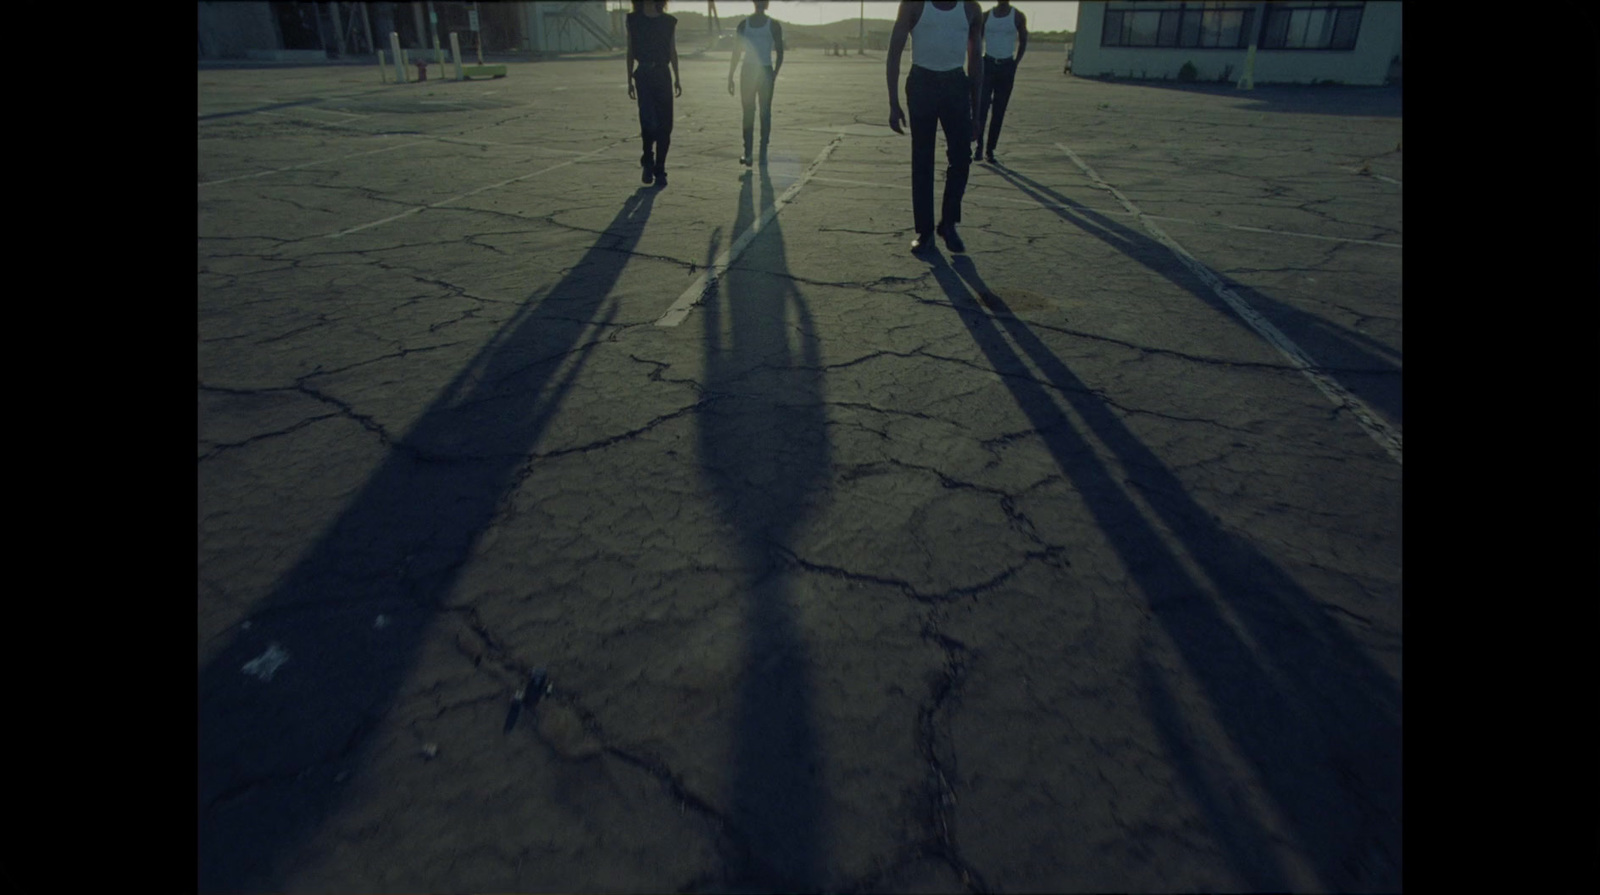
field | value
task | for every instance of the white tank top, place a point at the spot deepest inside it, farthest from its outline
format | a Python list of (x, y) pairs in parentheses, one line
[(939, 42), (757, 43), (1000, 35)]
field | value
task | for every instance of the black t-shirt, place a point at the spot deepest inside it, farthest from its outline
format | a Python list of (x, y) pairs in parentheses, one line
[(652, 37)]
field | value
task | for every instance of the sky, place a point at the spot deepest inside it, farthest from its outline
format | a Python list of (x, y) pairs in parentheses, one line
[(1043, 15)]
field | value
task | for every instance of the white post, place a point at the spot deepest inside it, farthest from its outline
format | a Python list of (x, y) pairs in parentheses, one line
[(383, 73), (399, 62), (455, 52), (1247, 80)]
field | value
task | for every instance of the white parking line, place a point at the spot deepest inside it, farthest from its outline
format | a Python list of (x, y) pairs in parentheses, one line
[(411, 211), (692, 296), (1380, 431)]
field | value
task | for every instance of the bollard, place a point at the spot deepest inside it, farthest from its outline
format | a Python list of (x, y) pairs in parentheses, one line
[(382, 72), (399, 59), (455, 53)]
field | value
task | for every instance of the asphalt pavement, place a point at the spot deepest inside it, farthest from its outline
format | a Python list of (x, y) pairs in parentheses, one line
[(562, 533)]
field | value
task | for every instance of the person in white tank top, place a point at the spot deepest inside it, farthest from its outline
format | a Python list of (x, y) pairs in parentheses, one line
[(1005, 39), (942, 91), (760, 47)]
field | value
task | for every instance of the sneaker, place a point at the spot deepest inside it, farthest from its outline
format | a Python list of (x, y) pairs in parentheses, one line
[(923, 243), (745, 159), (661, 177), (648, 174), (990, 158), (951, 240)]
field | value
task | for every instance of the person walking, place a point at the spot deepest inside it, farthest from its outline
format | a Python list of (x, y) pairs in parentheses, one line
[(652, 47), (1005, 30), (760, 46), (943, 34)]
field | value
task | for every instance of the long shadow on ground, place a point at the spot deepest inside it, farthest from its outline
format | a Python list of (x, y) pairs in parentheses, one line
[(1368, 369), (764, 452), (269, 750), (1315, 719)]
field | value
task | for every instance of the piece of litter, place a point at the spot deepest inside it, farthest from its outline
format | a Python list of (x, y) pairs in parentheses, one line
[(429, 750), (266, 664)]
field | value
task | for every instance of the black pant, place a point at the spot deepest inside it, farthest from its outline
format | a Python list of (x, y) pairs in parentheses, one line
[(653, 85), (938, 99), (999, 75), (756, 81)]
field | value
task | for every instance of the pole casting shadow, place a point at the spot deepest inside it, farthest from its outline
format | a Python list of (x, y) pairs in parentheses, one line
[(764, 451), (1316, 720), (271, 751)]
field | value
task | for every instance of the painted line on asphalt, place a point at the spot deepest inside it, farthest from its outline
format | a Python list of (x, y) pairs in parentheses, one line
[(309, 164), (1379, 430), (696, 292), (493, 186)]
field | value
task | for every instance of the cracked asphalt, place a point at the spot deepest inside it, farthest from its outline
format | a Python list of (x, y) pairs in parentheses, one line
[(1072, 563)]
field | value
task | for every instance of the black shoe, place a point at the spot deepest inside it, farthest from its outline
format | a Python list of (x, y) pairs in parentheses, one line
[(948, 231), (648, 175), (661, 177), (990, 159), (923, 243), (745, 159)]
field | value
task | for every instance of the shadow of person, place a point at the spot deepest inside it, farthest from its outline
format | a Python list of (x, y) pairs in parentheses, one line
[(1316, 720), (764, 452), (1369, 369), (275, 745)]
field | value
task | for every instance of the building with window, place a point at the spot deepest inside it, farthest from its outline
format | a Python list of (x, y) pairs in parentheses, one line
[(1296, 42)]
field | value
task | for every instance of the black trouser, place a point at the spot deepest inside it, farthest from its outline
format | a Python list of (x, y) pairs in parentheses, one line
[(653, 84), (938, 99), (999, 75), (754, 81)]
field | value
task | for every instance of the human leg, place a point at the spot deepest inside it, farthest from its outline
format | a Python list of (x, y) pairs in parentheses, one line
[(955, 117), (923, 113), (985, 97), (766, 85), (1005, 80), (749, 88)]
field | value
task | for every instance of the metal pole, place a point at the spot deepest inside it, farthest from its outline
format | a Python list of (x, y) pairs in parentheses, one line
[(366, 25), (338, 27), (455, 52)]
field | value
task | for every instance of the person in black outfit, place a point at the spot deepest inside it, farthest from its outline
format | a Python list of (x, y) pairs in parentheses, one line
[(653, 45), (1005, 31), (943, 35)]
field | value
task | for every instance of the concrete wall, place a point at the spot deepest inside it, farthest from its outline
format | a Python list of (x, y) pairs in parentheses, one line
[(231, 30), (1377, 44)]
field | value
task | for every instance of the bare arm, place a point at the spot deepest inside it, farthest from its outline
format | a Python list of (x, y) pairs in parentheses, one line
[(904, 21), (629, 63), (738, 50), (1022, 34), (777, 46), (677, 86)]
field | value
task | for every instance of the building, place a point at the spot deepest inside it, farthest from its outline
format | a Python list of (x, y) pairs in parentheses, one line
[(321, 31), (1298, 42)]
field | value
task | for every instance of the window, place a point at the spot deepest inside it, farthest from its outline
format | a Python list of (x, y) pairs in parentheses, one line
[(1223, 25), (1322, 26)]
